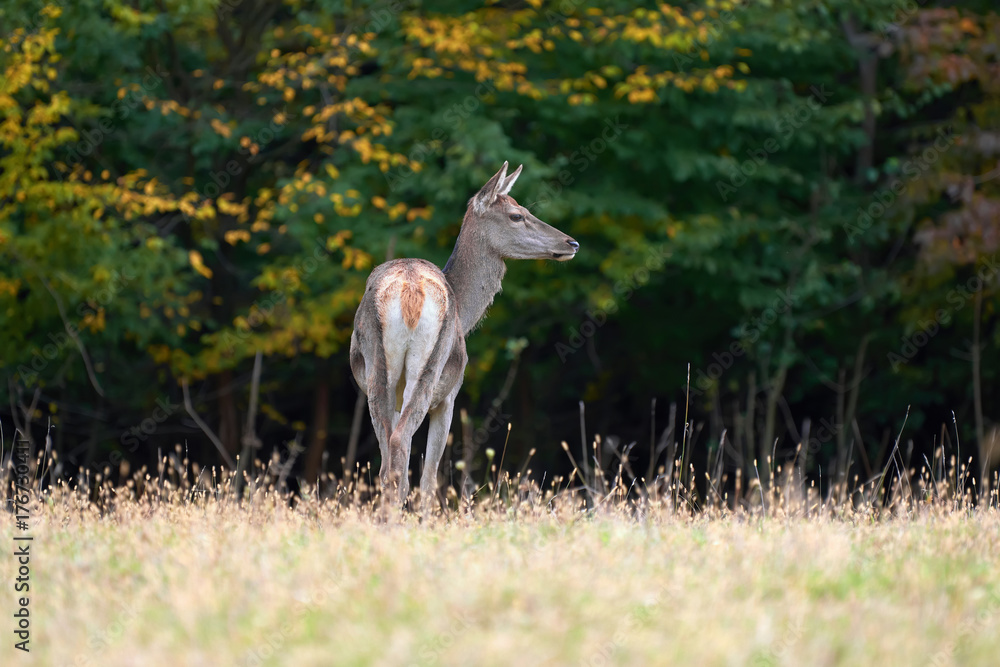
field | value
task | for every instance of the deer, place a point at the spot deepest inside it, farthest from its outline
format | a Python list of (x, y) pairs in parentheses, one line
[(408, 351)]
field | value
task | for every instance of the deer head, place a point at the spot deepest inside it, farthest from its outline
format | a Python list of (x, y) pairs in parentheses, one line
[(508, 230)]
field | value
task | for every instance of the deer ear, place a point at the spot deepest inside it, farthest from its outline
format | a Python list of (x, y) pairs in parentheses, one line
[(488, 194), (509, 181)]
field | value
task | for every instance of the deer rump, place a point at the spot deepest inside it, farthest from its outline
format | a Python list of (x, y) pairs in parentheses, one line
[(418, 326)]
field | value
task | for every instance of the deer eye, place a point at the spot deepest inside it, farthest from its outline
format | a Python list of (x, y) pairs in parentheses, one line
[(516, 217)]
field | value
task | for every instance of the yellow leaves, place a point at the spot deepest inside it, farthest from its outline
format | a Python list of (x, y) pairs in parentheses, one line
[(332, 171), (415, 213), (641, 95), (234, 236), (206, 212), (356, 259), (159, 353), (221, 128), (94, 321), (969, 26), (264, 195), (227, 207), (248, 144), (263, 248), (364, 149), (338, 240), (101, 274), (288, 94), (198, 264), (318, 218), (378, 202), (397, 210), (723, 72), (10, 286)]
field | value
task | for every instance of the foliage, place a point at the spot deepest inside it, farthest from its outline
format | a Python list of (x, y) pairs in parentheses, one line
[(188, 183)]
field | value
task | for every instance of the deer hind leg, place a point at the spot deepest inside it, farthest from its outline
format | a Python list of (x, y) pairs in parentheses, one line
[(440, 417), (437, 437), (421, 378), (382, 406)]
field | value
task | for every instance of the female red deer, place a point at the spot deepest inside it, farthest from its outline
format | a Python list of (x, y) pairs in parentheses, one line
[(408, 346)]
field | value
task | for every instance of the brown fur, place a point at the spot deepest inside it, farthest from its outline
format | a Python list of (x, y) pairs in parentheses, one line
[(495, 228), (413, 283), (411, 301)]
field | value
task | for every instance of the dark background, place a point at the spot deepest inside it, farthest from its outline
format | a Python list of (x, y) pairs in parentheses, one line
[(756, 190)]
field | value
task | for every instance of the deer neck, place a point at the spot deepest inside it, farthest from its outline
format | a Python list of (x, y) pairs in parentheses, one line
[(475, 275)]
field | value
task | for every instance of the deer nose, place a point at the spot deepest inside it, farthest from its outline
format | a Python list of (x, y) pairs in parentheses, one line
[(573, 244)]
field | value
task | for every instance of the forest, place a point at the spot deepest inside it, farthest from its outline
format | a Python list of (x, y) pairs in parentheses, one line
[(788, 214)]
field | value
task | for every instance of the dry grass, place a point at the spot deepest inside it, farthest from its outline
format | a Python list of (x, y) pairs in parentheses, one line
[(183, 575)]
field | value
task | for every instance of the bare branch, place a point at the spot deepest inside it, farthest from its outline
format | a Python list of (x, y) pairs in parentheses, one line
[(70, 330), (205, 427)]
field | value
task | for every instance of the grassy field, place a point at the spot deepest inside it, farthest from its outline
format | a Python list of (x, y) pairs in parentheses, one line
[(175, 582)]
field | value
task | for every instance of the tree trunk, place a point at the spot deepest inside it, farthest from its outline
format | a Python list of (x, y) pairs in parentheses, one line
[(229, 421), (321, 421), (977, 393)]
